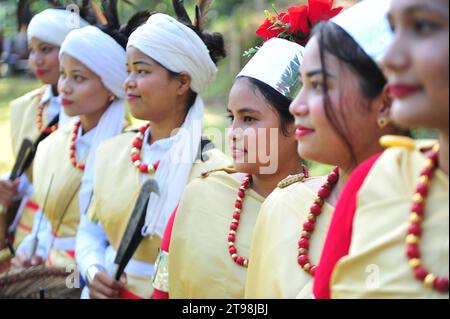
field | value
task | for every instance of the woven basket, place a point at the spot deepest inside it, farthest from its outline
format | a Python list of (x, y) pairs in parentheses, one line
[(37, 282)]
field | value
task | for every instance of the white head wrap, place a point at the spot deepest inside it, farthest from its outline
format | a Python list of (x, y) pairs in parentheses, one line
[(101, 54), (53, 25), (366, 22), (107, 59), (177, 48)]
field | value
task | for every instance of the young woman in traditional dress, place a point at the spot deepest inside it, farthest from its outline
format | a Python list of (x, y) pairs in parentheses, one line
[(340, 113), (37, 113), (169, 64), (389, 237), (212, 230), (91, 86)]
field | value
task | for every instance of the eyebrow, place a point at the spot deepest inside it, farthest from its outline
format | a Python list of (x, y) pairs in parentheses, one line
[(44, 44), (245, 110), (141, 62), (316, 72)]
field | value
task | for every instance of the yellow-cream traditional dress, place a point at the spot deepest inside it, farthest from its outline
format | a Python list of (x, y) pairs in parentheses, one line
[(116, 189), (60, 203), (377, 265), (200, 265), (24, 118), (274, 272)]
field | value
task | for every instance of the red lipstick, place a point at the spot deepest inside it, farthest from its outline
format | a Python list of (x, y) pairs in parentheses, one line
[(401, 91)]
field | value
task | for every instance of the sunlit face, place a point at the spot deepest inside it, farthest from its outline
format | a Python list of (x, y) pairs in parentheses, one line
[(257, 141), (416, 63), (81, 90), (149, 87), (318, 140), (44, 60)]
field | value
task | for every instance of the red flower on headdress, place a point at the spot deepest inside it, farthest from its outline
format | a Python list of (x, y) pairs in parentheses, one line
[(297, 23), (321, 10)]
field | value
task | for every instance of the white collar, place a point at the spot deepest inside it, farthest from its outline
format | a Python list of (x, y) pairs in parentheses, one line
[(85, 139), (163, 144), (47, 95)]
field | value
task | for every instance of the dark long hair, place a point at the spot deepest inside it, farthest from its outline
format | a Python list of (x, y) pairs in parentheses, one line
[(335, 41)]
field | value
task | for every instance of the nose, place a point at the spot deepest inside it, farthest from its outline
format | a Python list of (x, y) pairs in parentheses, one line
[(64, 87), (298, 107), (235, 132), (130, 82), (39, 59), (396, 58)]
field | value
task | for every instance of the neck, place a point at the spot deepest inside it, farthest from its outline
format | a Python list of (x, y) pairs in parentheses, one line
[(164, 128), (443, 152), (264, 184), (88, 122)]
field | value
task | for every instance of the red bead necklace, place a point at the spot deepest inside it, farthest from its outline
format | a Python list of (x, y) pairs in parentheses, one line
[(241, 261), (415, 229), (308, 227), (136, 157), (39, 120), (73, 149)]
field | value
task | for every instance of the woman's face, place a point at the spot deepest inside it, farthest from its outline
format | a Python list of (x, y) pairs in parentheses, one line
[(318, 140), (81, 90), (149, 87), (257, 141), (416, 63), (44, 60)]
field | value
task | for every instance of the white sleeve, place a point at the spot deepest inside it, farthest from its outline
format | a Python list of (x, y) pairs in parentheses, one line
[(90, 246), (44, 236)]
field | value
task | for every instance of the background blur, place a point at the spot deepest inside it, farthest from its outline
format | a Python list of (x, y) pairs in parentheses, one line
[(236, 20)]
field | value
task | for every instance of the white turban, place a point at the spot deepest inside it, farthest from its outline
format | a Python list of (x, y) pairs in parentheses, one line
[(101, 54), (53, 25), (106, 58), (176, 47)]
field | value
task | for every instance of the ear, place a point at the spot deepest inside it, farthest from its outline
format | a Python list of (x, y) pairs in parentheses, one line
[(184, 83), (383, 103)]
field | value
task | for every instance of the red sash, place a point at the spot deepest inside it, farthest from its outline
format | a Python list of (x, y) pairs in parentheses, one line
[(339, 235)]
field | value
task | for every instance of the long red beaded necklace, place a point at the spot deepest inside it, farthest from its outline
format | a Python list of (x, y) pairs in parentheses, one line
[(241, 261), (39, 120), (309, 226), (238, 205), (136, 157), (415, 229), (73, 148)]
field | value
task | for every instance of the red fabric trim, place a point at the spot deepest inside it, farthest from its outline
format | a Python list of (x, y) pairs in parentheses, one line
[(32, 205), (25, 228), (339, 236), (126, 294), (165, 244), (71, 253)]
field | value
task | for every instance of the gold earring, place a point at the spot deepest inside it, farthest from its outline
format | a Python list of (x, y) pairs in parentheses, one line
[(382, 122), (111, 98)]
